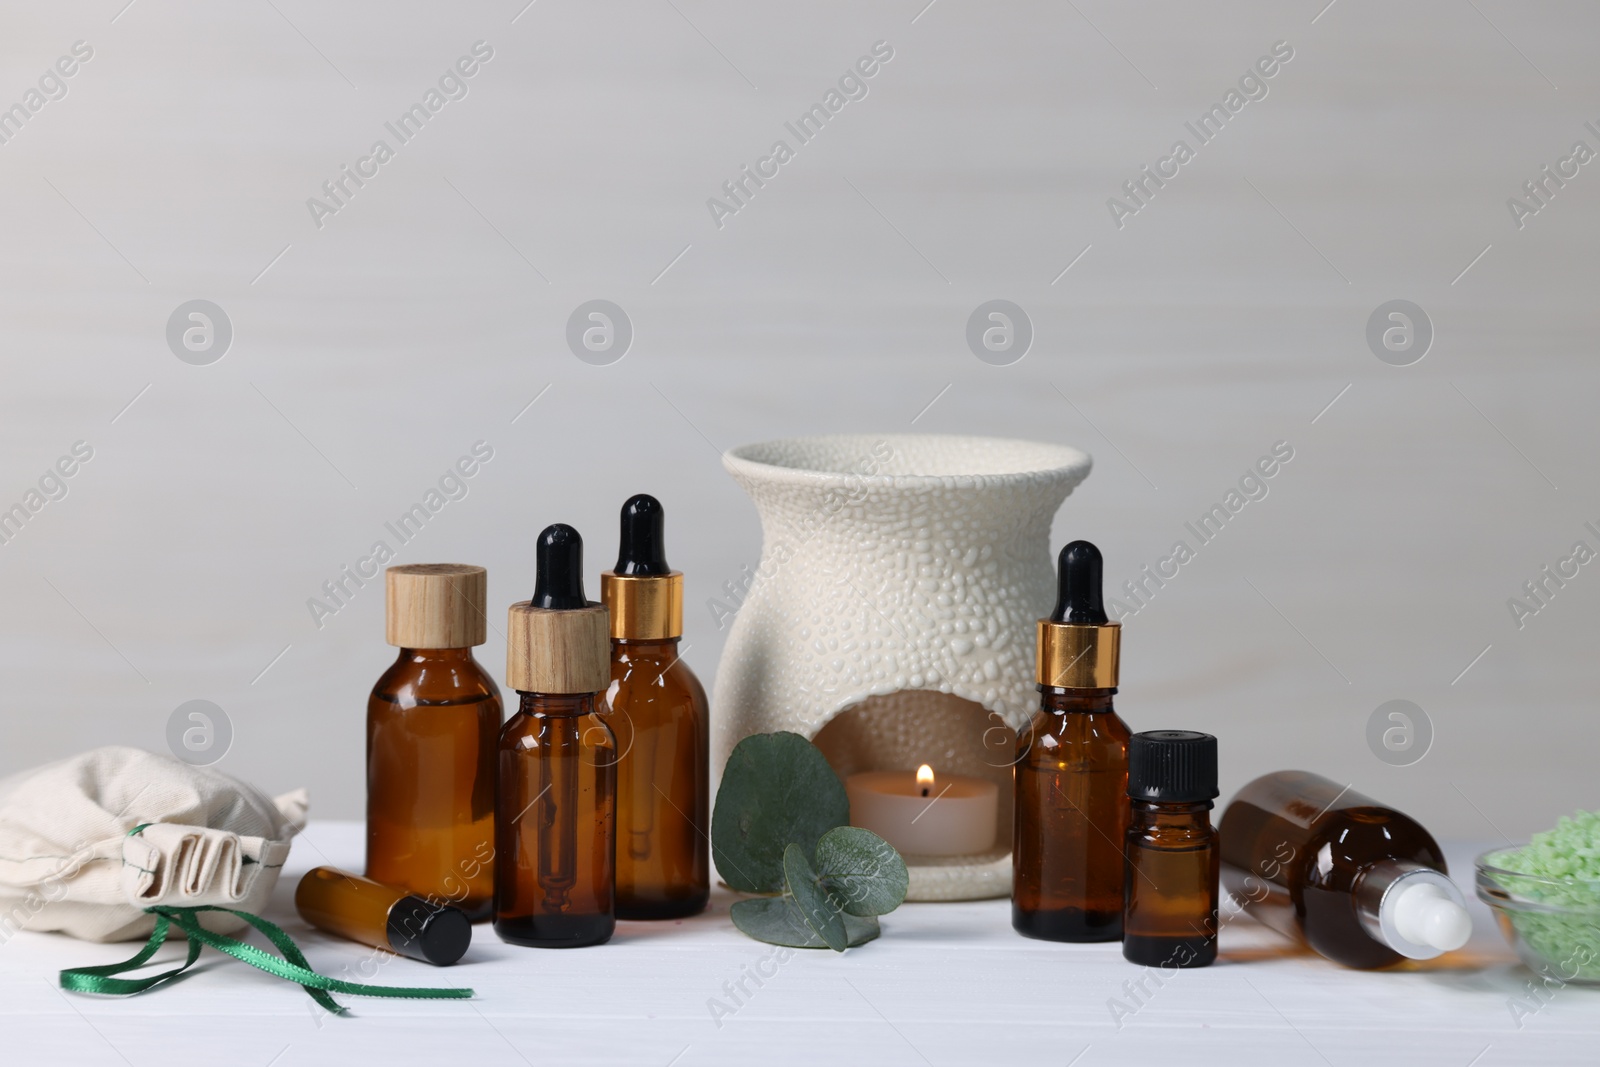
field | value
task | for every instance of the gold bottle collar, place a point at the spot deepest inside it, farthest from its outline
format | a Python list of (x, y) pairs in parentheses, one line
[(1078, 655), (644, 607)]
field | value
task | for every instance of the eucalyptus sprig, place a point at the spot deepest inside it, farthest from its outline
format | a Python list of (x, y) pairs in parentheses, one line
[(781, 828)]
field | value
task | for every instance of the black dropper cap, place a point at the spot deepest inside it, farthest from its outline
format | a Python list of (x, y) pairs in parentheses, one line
[(1172, 766), (643, 549), (433, 933), (558, 577), (1078, 595)]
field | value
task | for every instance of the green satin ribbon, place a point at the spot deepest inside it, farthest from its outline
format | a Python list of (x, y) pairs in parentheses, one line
[(293, 966)]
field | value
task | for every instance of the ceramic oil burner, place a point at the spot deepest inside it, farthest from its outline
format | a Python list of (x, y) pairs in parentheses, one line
[(891, 617)]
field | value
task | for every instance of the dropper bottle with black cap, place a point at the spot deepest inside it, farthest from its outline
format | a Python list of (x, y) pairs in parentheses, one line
[(1072, 770), (554, 824), (659, 713)]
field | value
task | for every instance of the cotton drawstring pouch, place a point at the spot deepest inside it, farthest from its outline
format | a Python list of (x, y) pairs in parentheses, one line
[(117, 843)]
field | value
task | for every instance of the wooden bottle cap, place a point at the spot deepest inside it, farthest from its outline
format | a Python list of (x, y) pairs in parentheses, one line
[(552, 650), (436, 605)]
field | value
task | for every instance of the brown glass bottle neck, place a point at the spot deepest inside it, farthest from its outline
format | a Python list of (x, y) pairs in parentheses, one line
[(557, 705), (435, 655), (667, 646), (1162, 814), (1062, 700)]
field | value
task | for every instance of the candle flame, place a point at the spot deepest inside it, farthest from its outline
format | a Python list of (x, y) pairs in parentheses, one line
[(924, 775)]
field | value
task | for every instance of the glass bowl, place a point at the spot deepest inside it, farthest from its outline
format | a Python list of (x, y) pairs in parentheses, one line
[(1553, 923)]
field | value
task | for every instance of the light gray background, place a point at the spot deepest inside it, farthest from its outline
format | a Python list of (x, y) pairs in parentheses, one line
[(1225, 316)]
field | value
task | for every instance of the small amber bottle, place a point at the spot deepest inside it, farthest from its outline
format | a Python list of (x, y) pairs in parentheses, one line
[(382, 916), (659, 715), (432, 722), (1170, 914), (1072, 770), (555, 858), (1363, 884)]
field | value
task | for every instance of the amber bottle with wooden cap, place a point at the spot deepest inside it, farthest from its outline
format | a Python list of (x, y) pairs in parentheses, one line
[(432, 724), (1072, 770), (555, 859), (658, 712), (1170, 915), (382, 916)]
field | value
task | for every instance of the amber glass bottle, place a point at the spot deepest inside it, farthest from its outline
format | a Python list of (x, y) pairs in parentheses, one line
[(554, 862), (382, 916), (657, 709), (1072, 771), (432, 721), (1362, 883), (1170, 916)]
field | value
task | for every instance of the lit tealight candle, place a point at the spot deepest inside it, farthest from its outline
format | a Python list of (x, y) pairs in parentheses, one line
[(921, 814)]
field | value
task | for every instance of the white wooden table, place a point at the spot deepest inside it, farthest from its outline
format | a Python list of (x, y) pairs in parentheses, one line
[(946, 984)]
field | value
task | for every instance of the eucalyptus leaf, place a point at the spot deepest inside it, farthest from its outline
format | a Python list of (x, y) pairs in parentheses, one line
[(777, 921), (777, 790), (817, 907), (863, 871)]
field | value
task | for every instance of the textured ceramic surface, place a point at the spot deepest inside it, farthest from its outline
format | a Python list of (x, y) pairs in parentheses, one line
[(894, 563)]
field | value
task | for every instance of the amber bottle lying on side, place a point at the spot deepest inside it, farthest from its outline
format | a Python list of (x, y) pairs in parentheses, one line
[(432, 723), (382, 916), (1363, 884)]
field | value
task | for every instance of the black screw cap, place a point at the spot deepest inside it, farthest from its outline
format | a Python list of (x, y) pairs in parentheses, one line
[(1172, 766), (433, 933)]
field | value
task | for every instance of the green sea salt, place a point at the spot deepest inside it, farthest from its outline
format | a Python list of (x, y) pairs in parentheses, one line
[(1571, 850), (1561, 923)]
